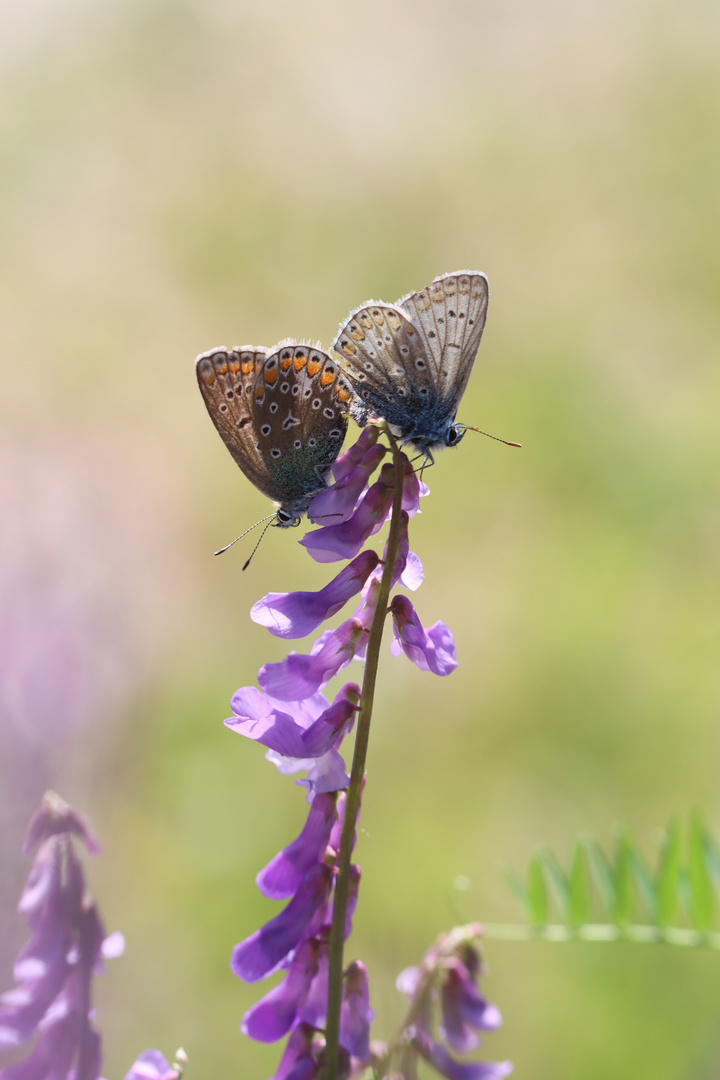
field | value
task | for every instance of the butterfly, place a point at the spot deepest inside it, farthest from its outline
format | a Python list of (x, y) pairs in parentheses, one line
[(281, 413), (409, 362)]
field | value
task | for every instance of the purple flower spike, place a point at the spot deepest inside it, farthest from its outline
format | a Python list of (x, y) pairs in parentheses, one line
[(55, 968), (464, 1009), (337, 503), (152, 1065), (298, 676), (356, 1014), (447, 1066), (296, 614), (344, 541), (283, 874), (274, 1015), (432, 650), (259, 954)]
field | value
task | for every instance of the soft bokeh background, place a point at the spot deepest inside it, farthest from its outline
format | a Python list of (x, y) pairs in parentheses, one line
[(177, 175)]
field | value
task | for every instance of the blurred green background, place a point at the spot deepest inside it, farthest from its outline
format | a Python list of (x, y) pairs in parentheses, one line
[(178, 175)]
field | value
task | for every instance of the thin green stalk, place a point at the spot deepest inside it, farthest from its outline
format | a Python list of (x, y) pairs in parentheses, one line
[(342, 880), (638, 933)]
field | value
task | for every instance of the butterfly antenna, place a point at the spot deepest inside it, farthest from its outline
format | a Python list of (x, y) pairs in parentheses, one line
[(245, 534), (487, 433), (258, 543)]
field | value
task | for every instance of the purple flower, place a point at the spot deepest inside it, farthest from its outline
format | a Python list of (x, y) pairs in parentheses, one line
[(432, 650), (356, 1014), (299, 1061), (274, 1015), (152, 1065), (56, 966), (343, 541), (271, 723), (464, 1010), (440, 1059), (296, 614), (283, 874), (298, 676), (352, 471), (259, 954)]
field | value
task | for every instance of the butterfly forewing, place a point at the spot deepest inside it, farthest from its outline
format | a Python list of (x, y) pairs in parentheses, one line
[(450, 316)]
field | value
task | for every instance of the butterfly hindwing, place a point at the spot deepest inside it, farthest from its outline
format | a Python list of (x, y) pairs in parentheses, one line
[(299, 417)]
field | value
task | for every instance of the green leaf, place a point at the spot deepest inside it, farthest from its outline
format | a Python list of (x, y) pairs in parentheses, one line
[(622, 877), (702, 900), (667, 879), (644, 883), (603, 875), (518, 888), (537, 893), (579, 907), (712, 861), (556, 876)]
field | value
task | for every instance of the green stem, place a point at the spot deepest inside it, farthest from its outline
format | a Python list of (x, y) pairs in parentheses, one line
[(635, 932), (354, 791)]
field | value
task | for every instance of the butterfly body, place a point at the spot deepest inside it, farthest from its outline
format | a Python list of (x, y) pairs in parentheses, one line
[(282, 415), (409, 362)]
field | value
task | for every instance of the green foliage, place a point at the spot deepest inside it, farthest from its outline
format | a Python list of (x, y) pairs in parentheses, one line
[(605, 897)]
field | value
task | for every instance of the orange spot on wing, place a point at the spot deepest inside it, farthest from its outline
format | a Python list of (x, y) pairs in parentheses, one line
[(285, 364), (248, 367), (234, 365), (313, 368), (326, 379), (299, 362), (271, 376), (221, 365)]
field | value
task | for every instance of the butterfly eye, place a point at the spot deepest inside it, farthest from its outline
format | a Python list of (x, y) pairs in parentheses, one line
[(282, 515)]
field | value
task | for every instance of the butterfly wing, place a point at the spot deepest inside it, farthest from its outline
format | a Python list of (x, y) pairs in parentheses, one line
[(299, 406), (227, 378), (387, 363), (450, 316)]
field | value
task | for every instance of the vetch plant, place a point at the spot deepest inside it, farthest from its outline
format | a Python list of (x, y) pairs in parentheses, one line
[(323, 1006)]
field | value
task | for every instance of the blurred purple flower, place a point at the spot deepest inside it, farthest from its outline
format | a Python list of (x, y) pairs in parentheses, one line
[(436, 1054), (152, 1065), (356, 1014), (431, 650), (464, 1010), (296, 614), (56, 966)]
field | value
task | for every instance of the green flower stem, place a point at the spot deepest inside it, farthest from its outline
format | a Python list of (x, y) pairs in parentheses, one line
[(638, 933), (354, 791)]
